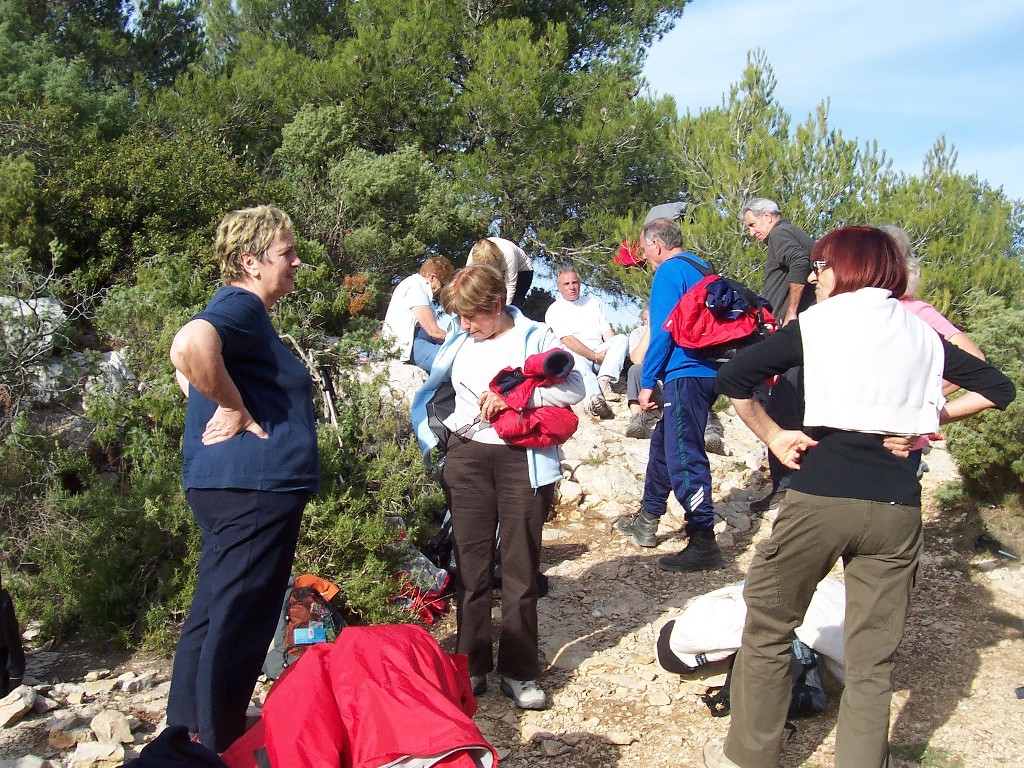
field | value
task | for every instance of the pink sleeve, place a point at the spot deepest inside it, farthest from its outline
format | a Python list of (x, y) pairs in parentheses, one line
[(932, 316)]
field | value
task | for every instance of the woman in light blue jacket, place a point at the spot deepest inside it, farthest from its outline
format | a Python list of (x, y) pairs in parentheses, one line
[(489, 482)]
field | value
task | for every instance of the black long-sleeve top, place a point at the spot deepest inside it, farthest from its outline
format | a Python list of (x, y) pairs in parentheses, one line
[(844, 464)]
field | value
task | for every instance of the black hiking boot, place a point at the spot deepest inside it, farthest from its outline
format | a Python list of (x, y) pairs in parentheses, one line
[(701, 554), (641, 527), (769, 503)]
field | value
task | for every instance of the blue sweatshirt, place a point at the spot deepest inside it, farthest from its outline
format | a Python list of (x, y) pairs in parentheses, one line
[(664, 360)]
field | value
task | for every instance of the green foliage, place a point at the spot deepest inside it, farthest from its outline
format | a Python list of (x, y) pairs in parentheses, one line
[(951, 495), (989, 448), (140, 193), (746, 148), (373, 213), (308, 26), (966, 233), (577, 143), (167, 39), (598, 30), (18, 202), (243, 106), (402, 70), (388, 130), (114, 41), (114, 549)]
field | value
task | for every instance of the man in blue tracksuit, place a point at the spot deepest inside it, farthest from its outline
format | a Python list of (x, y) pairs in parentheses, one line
[(678, 462)]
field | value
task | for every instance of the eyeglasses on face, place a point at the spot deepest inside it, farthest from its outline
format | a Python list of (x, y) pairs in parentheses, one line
[(819, 265)]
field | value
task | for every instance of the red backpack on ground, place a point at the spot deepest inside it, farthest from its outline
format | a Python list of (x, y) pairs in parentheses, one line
[(381, 695)]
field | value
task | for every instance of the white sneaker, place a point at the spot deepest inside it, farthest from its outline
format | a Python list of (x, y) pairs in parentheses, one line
[(525, 694), (714, 756), (607, 392)]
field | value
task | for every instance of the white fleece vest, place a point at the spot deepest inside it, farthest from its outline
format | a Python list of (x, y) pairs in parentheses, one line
[(870, 366)]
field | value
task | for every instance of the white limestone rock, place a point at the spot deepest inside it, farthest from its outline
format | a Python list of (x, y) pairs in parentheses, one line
[(112, 726), (15, 705)]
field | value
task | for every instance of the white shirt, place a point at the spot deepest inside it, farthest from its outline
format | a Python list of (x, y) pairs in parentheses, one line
[(477, 363), (583, 318), (399, 321), (870, 366), (516, 261)]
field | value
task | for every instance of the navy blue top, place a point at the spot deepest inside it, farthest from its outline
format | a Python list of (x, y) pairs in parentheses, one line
[(278, 391)]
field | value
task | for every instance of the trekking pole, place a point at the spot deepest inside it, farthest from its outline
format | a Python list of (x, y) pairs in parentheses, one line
[(328, 389)]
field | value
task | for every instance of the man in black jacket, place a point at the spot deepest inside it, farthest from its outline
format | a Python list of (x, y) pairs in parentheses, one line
[(785, 286)]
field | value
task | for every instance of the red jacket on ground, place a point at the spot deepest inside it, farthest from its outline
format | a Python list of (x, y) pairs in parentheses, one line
[(378, 696)]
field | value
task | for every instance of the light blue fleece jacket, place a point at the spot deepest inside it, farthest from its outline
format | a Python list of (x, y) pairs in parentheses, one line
[(543, 463)]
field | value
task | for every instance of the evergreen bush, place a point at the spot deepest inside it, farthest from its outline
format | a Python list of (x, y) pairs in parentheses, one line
[(989, 448)]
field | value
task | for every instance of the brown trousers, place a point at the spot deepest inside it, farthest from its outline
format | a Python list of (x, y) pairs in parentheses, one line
[(488, 485), (879, 544)]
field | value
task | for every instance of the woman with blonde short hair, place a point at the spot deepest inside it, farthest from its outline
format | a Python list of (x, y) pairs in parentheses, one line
[(250, 465)]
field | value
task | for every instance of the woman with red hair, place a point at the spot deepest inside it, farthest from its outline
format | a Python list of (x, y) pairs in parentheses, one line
[(871, 369)]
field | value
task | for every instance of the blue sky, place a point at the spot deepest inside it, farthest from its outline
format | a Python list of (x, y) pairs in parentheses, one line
[(903, 73)]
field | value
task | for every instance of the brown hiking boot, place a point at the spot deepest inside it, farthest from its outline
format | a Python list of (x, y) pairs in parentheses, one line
[(599, 409)]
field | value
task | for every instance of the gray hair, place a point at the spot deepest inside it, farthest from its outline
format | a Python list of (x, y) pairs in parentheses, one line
[(566, 268), (911, 259), (759, 206), (665, 230)]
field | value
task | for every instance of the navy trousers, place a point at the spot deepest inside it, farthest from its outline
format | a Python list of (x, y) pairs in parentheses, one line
[(677, 462), (248, 545)]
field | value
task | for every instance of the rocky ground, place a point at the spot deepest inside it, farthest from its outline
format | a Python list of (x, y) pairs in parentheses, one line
[(611, 705)]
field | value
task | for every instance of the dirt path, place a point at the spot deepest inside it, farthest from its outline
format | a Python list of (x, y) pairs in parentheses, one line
[(613, 706)]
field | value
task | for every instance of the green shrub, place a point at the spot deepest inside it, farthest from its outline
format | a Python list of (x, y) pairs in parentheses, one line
[(93, 549), (96, 533), (372, 471), (989, 448)]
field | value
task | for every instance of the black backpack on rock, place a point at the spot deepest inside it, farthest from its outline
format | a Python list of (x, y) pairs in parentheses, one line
[(808, 697)]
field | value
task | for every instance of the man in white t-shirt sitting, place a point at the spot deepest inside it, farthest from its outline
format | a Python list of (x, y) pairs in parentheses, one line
[(413, 321), (600, 353)]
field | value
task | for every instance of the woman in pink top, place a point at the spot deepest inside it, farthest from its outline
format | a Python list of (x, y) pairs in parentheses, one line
[(929, 314)]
